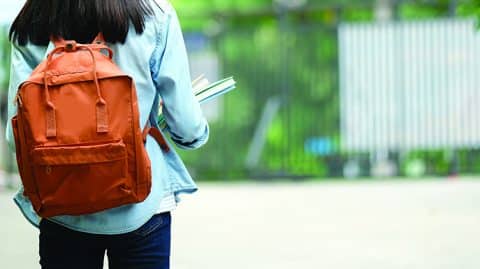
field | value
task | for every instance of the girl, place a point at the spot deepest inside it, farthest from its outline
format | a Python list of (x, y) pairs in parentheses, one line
[(147, 42)]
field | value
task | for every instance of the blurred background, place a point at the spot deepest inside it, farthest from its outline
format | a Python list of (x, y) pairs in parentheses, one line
[(330, 89), (352, 140)]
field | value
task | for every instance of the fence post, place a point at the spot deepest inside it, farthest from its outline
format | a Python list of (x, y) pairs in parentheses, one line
[(282, 17)]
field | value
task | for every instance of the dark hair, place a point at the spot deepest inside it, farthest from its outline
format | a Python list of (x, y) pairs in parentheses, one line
[(79, 20)]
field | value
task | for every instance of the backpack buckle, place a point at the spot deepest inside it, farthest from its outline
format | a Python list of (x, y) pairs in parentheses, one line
[(70, 46)]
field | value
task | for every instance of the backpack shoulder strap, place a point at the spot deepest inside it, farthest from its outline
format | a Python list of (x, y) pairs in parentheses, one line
[(152, 127), (157, 135)]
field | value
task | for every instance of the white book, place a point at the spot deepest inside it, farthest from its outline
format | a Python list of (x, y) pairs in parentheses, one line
[(199, 84), (204, 92), (213, 90)]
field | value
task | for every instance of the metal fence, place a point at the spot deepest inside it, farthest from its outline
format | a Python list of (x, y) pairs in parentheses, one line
[(286, 103)]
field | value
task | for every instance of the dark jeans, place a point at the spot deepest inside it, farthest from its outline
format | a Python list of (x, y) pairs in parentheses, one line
[(146, 248)]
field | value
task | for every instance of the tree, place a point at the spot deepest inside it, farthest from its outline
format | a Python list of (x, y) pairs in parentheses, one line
[(471, 8)]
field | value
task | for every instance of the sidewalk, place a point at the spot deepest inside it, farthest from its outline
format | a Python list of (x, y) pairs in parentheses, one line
[(354, 225)]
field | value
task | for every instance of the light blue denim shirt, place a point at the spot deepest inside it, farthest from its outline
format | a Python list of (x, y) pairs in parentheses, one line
[(157, 61)]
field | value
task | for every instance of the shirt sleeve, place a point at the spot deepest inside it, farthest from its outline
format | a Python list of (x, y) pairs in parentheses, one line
[(187, 126), (22, 65)]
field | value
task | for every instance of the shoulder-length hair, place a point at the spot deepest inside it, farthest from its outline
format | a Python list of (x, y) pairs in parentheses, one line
[(79, 20)]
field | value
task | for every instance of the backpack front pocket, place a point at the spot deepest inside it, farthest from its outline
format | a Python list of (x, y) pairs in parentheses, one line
[(81, 179)]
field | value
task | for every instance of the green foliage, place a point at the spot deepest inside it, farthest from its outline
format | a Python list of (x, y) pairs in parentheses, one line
[(5, 56), (209, 14), (412, 11), (470, 8)]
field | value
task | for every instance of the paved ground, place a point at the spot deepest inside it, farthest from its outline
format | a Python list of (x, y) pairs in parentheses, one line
[(354, 225)]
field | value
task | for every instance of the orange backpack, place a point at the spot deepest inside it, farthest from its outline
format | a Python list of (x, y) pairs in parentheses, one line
[(78, 140)]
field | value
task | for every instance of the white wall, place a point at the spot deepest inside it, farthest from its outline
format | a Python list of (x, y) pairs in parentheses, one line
[(410, 85)]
